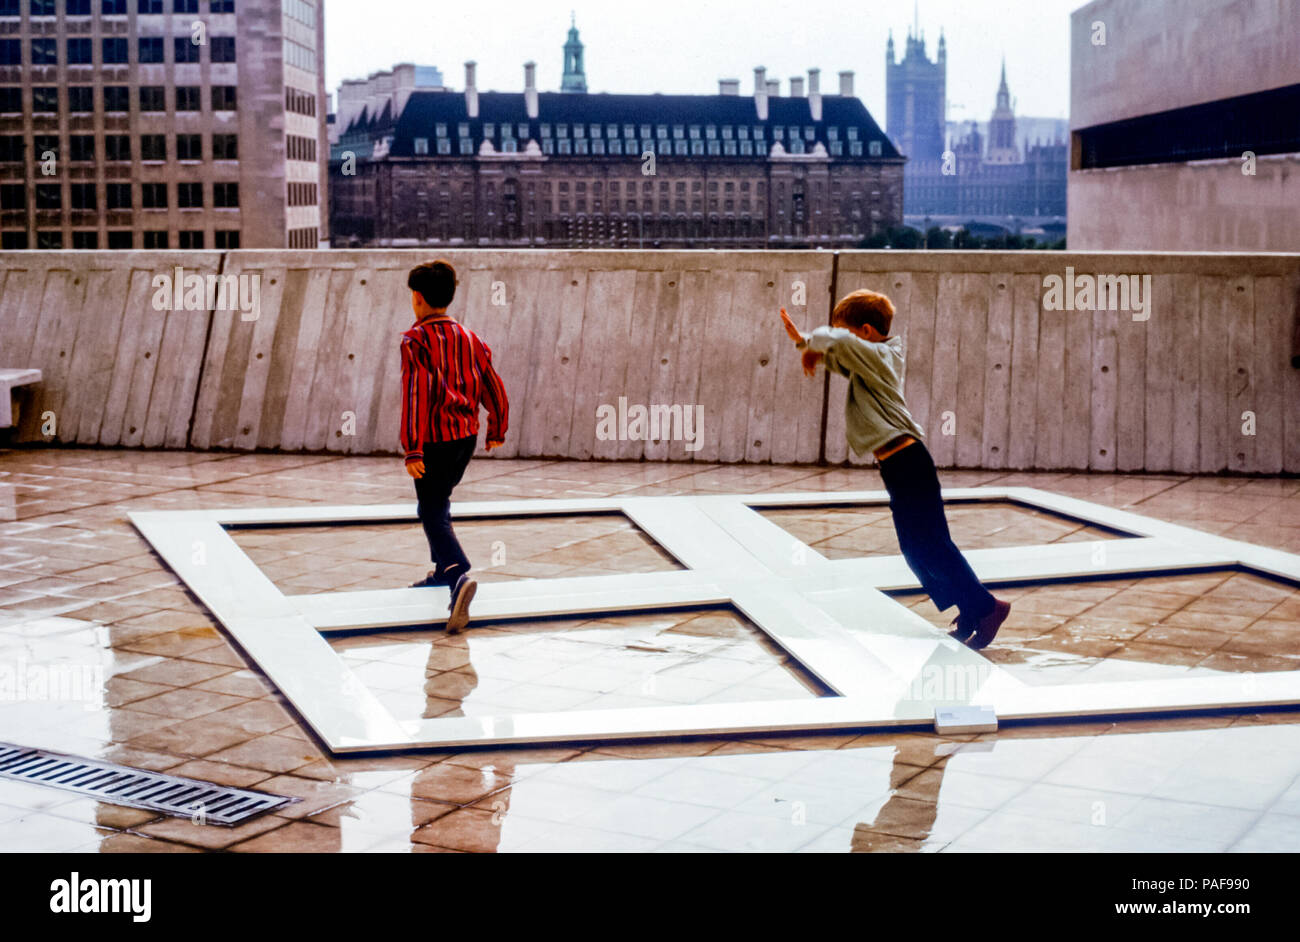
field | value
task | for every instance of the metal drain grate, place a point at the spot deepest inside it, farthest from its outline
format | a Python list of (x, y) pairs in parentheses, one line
[(153, 791)]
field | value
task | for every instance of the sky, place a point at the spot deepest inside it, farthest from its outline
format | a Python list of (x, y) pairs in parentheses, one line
[(685, 46)]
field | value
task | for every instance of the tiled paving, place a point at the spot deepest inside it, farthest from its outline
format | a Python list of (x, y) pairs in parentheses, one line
[(147, 679)]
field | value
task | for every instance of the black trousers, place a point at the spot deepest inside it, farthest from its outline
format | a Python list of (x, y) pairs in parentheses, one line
[(444, 465), (922, 528)]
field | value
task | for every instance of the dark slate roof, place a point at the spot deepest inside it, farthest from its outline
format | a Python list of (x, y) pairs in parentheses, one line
[(424, 109)]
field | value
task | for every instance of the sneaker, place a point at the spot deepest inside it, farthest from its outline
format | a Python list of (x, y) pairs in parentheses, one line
[(986, 628), (432, 580), (461, 595)]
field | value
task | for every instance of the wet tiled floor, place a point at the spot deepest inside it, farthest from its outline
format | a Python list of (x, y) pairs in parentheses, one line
[(147, 679)]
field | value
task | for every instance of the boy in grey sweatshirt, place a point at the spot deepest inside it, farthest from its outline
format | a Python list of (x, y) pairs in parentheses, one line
[(857, 345)]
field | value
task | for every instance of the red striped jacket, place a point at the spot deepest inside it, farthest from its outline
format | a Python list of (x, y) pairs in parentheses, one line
[(446, 373)]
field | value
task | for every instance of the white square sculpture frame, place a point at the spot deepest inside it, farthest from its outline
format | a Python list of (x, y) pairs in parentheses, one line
[(830, 616)]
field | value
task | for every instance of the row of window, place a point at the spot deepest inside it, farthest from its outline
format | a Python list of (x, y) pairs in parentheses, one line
[(302, 194), (117, 147), (116, 98), (115, 50), (646, 131), (299, 56), (303, 238), (111, 7), (300, 148), (300, 10), (118, 196), (122, 239), (299, 102)]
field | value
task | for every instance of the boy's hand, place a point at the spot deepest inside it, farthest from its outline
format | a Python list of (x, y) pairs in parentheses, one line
[(415, 469), (795, 333), (810, 360), (494, 443)]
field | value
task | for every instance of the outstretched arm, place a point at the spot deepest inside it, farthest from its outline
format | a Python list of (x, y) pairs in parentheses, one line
[(810, 358)]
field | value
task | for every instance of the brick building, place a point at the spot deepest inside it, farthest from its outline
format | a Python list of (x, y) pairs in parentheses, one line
[(162, 124), (437, 167)]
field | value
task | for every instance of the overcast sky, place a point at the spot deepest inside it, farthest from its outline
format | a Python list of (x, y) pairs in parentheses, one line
[(685, 46)]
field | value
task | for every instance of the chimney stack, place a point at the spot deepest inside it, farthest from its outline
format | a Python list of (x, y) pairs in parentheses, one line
[(773, 88), (760, 92), (815, 93), (728, 86), (846, 84), (471, 90), (796, 87), (530, 88)]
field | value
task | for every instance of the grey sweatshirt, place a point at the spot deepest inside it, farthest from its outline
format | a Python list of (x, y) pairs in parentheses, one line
[(874, 413)]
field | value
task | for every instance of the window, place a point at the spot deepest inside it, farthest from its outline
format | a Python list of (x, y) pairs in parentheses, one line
[(225, 195), (186, 49), (421, 145), (223, 98), (149, 7), (221, 6), (225, 147), (84, 196), (11, 99), (873, 148), (299, 56), (117, 148), (153, 196), (853, 134), (46, 144), (45, 100), (117, 98), (189, 147), (11, 52), (81, 99), (13, 196), (85, 240), (13, 240), (114, 51), (78, 8), (121, 239), (185, 6), (226, 239), (223, 49), (117, 195), (45, 52), (189, 195), (155, 240), (113, 7), (82, 148), (49, 196), (444, 146), (153, 147), (191, 239), (153, 98), (150, 49), (42, 8), (187, 98), (49, 240)]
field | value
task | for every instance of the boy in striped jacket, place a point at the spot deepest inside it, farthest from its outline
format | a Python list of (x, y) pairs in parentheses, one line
[(446, 375)]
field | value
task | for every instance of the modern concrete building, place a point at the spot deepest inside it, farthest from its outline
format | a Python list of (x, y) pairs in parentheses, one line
[(162, 124), (1184, 126), (424, 167)]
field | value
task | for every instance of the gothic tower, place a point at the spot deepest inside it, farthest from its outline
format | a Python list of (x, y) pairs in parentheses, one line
[(575, 76), (916, 93), (1002, 127)]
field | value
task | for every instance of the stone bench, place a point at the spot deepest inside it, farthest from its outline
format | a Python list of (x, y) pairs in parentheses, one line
[(10, 380)]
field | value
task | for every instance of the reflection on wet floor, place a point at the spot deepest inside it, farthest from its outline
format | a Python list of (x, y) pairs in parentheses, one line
[(1146, 628), (355, 557), (161, 688), (663, 659)]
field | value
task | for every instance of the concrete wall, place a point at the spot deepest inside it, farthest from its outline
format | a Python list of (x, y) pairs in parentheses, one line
[(996, 380), (1166, 54)]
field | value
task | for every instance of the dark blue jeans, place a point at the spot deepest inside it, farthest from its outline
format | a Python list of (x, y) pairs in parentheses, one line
[(444, 465), (922, 528)]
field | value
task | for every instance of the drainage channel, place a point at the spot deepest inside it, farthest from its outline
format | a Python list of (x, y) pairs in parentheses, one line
[(135, 788)]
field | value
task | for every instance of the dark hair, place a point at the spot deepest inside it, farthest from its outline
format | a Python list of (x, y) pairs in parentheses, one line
[(435, 281), (865, 307)]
